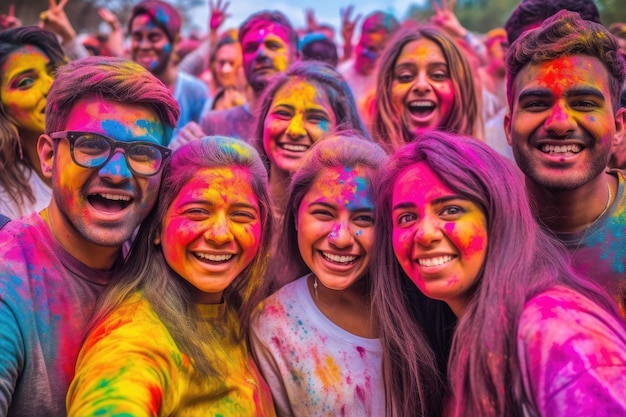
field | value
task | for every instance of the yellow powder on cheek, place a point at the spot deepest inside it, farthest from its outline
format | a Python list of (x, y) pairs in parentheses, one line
[(281, 63)]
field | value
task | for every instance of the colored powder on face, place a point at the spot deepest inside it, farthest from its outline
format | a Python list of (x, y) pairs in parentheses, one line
[(162, 16), (116, 129)]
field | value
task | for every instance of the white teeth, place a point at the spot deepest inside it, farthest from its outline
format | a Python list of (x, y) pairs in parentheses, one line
[(339, 259), (115, 197), (421, 104), (295, 148), (561, 149), (436, 261), (214, 258)]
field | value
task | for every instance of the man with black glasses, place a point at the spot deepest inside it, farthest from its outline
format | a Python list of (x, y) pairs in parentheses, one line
[(105, 121)]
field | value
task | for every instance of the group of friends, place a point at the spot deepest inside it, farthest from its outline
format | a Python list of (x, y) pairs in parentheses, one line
[(285, 236)]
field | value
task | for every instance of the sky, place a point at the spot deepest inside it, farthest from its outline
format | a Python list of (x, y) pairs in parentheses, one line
[(326, 11)]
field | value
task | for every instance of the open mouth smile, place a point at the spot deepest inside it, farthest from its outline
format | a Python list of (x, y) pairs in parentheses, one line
[(435, 261), (109, 202), (564, 150), (292, 147), (339, 259), (214, 258), (421, 108)]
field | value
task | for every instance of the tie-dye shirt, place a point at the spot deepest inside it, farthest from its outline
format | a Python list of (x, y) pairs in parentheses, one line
[(131, 366), (313, 366), (572, 357), (46, 300), (600, 251)]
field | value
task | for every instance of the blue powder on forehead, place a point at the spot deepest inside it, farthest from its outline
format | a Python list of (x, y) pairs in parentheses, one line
[(162, 17), (122, 132)]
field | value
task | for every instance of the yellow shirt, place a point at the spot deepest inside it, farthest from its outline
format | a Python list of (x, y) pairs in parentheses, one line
[(129, 365)]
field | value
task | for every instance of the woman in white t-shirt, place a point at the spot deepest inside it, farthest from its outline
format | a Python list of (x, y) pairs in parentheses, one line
[(316, 339)]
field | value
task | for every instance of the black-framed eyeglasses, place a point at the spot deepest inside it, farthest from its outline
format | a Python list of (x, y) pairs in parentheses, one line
[(93, 150)]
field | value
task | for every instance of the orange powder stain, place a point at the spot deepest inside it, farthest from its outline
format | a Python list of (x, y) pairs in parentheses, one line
[(327, 371)]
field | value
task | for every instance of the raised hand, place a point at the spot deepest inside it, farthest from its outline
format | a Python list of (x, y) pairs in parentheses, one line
[(348, 25), (9, 21), (55, 20), (217, 14), (115, 40), (311, 23), (445, 18), (109, 17)]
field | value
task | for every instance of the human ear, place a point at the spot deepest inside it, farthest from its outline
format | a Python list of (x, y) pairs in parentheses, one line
[(507, 128), (620, 127), (45, 149)]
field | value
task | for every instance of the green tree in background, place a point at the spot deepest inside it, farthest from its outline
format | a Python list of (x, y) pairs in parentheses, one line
[(482, 15)]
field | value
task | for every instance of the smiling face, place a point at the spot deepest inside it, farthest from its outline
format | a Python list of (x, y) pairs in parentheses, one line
[(26, 77), (150, 47), (336, 226), (422, 92), (212, 230), (266, 51), (299, 115), (102, 206), (439, 237), (561, 124)]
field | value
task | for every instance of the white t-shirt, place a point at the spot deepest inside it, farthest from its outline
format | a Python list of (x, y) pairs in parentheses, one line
[(42, 193), (312, 366)]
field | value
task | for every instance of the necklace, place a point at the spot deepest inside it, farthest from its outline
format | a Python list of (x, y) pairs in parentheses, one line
[(606, 208), (330, 309)]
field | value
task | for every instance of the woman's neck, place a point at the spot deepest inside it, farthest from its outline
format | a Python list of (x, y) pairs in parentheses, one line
[(349, 308)]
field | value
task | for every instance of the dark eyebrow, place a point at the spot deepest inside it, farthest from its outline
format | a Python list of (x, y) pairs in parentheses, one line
[(436, 201), (332, 207), (211, 204), (535, 93), (289, 106), (23, 72), (574, 92), (584, 91)]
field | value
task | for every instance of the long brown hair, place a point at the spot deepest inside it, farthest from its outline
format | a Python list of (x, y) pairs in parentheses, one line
[(146, 268), (464, 116), (13, 179), (521, 261)]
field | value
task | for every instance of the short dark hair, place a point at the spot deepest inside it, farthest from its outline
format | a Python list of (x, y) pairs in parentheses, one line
[(531, 13), (265, 18), (317, 47), (564, 34), (380, 22), (162, 14), (109, 78)]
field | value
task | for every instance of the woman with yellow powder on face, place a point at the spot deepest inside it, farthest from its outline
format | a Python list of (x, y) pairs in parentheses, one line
[(29, 57), (299, 107), (169, 336)]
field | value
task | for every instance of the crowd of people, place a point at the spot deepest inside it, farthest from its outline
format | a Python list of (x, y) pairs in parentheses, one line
[(264, 222)]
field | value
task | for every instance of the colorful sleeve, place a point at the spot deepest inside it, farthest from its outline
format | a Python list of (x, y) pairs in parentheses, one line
[(11, 354), (266, 362), (125, 367), (572, 357)]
